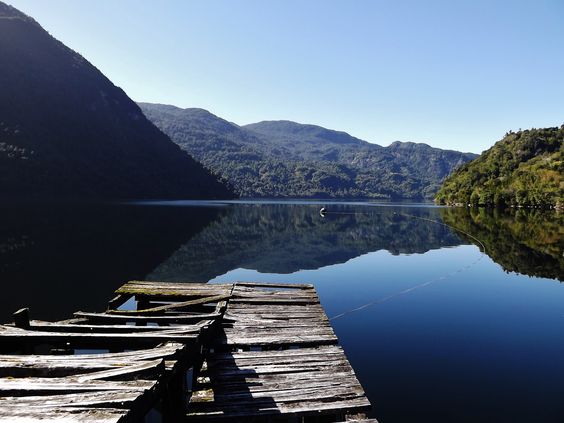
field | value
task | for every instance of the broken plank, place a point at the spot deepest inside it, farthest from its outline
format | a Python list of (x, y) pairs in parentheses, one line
[(167, 319), (173, 306)]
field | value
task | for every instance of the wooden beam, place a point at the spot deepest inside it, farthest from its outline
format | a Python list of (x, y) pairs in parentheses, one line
[(173, 306)]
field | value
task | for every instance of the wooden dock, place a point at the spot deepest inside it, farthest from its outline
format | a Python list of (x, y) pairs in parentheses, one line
[(194, 352)]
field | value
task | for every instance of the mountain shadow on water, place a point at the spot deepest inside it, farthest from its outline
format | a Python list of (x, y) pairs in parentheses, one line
[(530, 242), (57, 259), (286, 238)]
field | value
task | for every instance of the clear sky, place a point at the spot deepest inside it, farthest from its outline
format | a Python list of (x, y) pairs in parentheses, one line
[(453, 74)]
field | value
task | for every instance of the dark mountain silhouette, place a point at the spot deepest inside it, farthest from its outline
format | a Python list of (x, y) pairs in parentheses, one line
[(67, 131), (288, 159)]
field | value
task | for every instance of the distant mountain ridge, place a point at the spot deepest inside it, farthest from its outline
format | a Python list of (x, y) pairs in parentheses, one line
[(67, 132), (289, 159), (525, 168)]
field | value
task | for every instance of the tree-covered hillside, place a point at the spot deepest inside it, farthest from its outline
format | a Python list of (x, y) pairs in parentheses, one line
[(288, 159), (525, 168)]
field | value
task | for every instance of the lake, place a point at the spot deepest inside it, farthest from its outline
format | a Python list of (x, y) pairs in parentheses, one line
[(440, 324)]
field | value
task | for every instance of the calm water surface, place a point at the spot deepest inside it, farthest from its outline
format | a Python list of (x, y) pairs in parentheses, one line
[(436, 330)]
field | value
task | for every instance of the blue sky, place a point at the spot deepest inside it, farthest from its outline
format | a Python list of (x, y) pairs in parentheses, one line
[(453, 74)]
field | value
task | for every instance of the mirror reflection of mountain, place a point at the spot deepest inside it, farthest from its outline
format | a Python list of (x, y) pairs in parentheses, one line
[(75, 256), (285, 238), (530, 242)]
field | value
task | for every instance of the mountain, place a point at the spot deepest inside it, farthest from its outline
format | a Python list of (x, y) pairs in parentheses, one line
[(525, 168), (67, 132), (288, 159)]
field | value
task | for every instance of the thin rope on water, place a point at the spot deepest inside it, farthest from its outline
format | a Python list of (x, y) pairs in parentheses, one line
[(421, 285)]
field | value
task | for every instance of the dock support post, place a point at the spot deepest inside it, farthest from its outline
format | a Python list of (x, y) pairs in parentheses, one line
[(175, 401), (21, 318)]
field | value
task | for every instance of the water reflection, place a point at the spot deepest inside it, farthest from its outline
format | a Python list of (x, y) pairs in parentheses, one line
[(285, 238), (530, 242), (60, 258), (57, 259)]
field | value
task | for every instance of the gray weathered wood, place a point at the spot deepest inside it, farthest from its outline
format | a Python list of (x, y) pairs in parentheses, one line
[(173, 306), (166, 319), (62, 414)]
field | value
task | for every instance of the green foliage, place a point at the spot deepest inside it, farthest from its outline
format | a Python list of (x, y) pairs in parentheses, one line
[(287, 159), (525, 168)]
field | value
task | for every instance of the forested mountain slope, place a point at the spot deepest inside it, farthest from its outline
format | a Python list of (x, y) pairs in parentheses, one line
[(288, 159), (525, 168)]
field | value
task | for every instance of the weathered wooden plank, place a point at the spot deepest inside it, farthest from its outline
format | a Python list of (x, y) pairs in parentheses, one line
[(167, 319), (274, 355), (152, 368), (241, 307), (268, 407), (60, 368), (234, 373), (270, 341), (113, 399), (173, 306), (273, 285), (282, 381), (168, 289), (66, 414), (254, 292), (15, 336), (258, 363), (281, 330), (37, 325), (27, 386), (285, 379), (337, 392), (241, 335), (162, 351), (180, 285), (275, 300)]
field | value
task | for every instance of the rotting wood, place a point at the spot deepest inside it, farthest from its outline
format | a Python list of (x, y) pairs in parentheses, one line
[(66, 414), (166, 319), (312, 377), (174, 306), (36, 325)]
